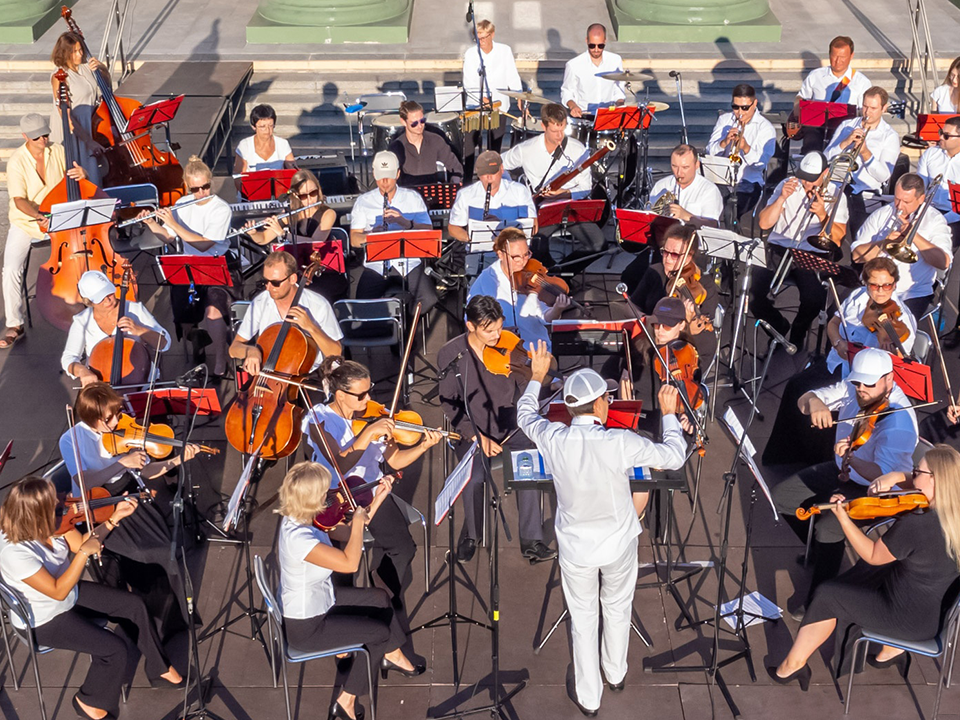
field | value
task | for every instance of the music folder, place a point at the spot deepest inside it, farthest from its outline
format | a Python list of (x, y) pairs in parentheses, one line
[(402, 245), (196, 269), (569, 211), (929, 125), (157, 113), (265, 184), (816, 113), (173, 401), (623, 117)]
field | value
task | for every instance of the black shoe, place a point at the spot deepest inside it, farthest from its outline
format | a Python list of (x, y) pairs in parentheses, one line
[(386, 666), (161, 683), (338, 713), (901, 661), (802, 676), (466, 549), (799, 613), (572, 694), (951, 341), (618, 687), (537, 552), (81, 713)]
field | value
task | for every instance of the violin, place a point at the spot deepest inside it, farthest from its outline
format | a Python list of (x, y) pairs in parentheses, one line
[(885, 319), (121, 360), (341, 503), (686, 285), (871, 508), (156, 440), (131, 158), (683, 362), (70, 512), (507, 356), (408, 424), (533, 278), (862, 430), (73, 252)]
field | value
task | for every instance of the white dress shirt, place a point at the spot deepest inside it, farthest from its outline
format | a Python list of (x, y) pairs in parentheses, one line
[(894, 437), (851, 312), (523, 312), (942, 96), (306, 590), (210, 220), (797, 223), (936, 161), (367, 215), (501, 74), (596, 519), (93, 455), (884, 144), (85, 334), (581, 84), (532, 156), (511, 202), (760, 135), (916, 279), (701, 197), (341, 431), (820, 83), (263, 313)]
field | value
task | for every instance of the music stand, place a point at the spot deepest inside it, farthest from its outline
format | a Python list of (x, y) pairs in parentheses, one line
[(622, 415), (929, 125), (438, 196), (482, 233), (641, 226), (194, 270), (954, 190), (158, 113), (623, 117), (448, 98), (175, 401), (265, 184), (569, 212), (81, 213), (817, 113), (913, 377), (5, 455), (330, 251)]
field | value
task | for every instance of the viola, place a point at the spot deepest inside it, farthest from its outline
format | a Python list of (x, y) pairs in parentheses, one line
[(885, 319), (73, 252), (341, 505), (131, 159), (156, 439), (119, 359), (408, 424), (871, 508), (70, 512), (683, 362)]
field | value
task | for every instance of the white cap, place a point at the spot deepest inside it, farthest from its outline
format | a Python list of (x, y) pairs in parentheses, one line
[(385, 165), (812, 166), (869, 365), (584, 386), (95, 286)]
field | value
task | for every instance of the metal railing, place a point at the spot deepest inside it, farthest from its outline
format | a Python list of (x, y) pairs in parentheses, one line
[(922, 55), (114, 58)]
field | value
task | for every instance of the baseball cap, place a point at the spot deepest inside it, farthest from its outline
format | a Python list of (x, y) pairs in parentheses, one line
[(812, 166), (869, 365), (33, 125), (669, 311), (95, 286), (584, 386), (385, 165), (489, 163)]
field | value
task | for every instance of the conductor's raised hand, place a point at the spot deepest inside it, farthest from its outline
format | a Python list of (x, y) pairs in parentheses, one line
[(669, 400), (540, 361)]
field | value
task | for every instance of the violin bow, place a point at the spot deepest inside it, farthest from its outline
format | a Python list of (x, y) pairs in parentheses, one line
[(843, 320), (322, 434), (890, 411), (84, 501), (943, 365), (683, 263), (406, 357)]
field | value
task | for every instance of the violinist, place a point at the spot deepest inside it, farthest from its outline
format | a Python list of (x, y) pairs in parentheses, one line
[(313, 314), (866, 448), (471, 394), (361, 454), (317, 615), (144, 537), (65, 609), (201, 229), (526, 314), (33, 170), (99, 321), (901, 582)]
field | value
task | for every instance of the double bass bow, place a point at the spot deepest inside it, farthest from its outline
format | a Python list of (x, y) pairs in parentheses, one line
[(120, 359)]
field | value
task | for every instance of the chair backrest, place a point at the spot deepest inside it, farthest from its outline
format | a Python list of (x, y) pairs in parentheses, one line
[(59, 475), (145, 195), (238, 310), (16, 606), (364, 320), (273, 608), (921, 346)]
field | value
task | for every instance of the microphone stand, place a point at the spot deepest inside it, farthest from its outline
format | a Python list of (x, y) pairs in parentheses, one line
[(484, 84), (683, 118)]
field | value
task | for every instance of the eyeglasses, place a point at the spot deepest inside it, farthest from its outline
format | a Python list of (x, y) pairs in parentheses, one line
[(596, 46), (918, 471), (946, 135), (879, 286), (360, 395), (278, 283), (198, 188), (609, 398), (525, 256), (309, 194), (415, 123), (734, 106), (668, 253)]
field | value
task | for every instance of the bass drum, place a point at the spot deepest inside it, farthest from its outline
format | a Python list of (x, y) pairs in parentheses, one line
[(385, 129), (448, 125)]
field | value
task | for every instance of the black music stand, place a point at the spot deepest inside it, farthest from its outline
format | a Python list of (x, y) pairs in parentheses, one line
[(439, 196)]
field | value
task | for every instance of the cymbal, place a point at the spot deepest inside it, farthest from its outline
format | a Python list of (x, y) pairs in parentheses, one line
[(653, 105), (628, 76), (525, 97)]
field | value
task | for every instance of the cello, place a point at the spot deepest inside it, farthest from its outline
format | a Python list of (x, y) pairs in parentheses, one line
[(119, 359), (131, 159), (73, 252), (263, 418)]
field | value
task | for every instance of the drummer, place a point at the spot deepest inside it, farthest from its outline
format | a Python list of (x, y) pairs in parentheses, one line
[(538, 159), (423, 153), (582, 90)]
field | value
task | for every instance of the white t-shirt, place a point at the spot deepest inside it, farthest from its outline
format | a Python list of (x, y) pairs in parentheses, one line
[(760, 136), (263, 313), (306, 590), (523, 312), (884, 144), (367, 215), (511, 202), (851, 310), (536, 161), (93, 455), (281, 149), (341, 430), (19, 561), (210, 220), (941, 96), (501, 74), (701, 197), (916, 279), (819, 84), (581, 84), (935, 161), (85, 334), (796, 222)]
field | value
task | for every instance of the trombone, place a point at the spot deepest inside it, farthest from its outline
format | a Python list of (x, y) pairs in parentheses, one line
[(900, 248)]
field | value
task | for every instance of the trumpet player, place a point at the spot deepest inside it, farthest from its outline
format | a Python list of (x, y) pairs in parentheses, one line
[(875, 146), (929, 240), (744, 134)]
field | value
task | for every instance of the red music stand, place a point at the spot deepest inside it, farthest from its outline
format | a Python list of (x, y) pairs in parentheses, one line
[(914, 378), (929, 125), (146, 116), (816, 113), (403, 245), (954, 190), (641, 226), (173, 401), (623, 414), (623, 117), (195, 270), (569, 212), (331, 253), (439, 196), (265, 184)]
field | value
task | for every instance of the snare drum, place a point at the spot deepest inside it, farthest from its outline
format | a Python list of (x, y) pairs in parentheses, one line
[(521, 131), (580, 128), (385, 129)]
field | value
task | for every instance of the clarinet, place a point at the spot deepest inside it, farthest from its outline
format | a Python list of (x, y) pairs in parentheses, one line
[(386, 206), (486, 203)]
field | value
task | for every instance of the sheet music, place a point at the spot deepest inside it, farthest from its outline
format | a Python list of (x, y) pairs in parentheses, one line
[(733, 425), (454, 485), (724, 244), (80, 213), (482, 233), (756, 606), (232, 515)]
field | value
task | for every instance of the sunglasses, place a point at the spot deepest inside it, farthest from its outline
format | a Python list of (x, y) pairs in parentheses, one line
[(278, 283), (946, 135), (857, 383), (878, 286), (47, 135), (198, 188), (309, 194), (668, 253), (734, 106), (360, 395), (596, 46), (415, 123)]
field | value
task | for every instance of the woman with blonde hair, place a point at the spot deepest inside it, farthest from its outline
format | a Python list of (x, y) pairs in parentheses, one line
[(946, 97), (318, 616), (900, 585)]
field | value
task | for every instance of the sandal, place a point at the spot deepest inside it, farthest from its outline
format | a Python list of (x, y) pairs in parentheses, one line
[(11, 337)]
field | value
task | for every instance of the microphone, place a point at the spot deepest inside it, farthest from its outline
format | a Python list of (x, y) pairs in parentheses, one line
[(192, 378), (469, 11), (768, 328), (674, 74), (443, 373), (558, 153)]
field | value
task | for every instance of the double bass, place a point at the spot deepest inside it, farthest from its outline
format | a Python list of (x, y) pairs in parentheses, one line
[(73, 252), (130, 158), (119, 359)]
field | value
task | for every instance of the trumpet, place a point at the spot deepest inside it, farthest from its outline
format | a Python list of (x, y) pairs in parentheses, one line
[(735, 142), (900, 248)]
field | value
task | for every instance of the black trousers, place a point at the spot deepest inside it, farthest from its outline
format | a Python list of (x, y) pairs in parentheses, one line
[(110, 652), (812, 297), (587, 236), (857, 208), (422, 288), (393, 547), (360, 616), (747, 196), (918, 305)]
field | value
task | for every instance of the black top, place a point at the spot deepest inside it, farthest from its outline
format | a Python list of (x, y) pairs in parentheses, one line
[(923, 571), (492, 398), (309, 228), (420, 168)]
